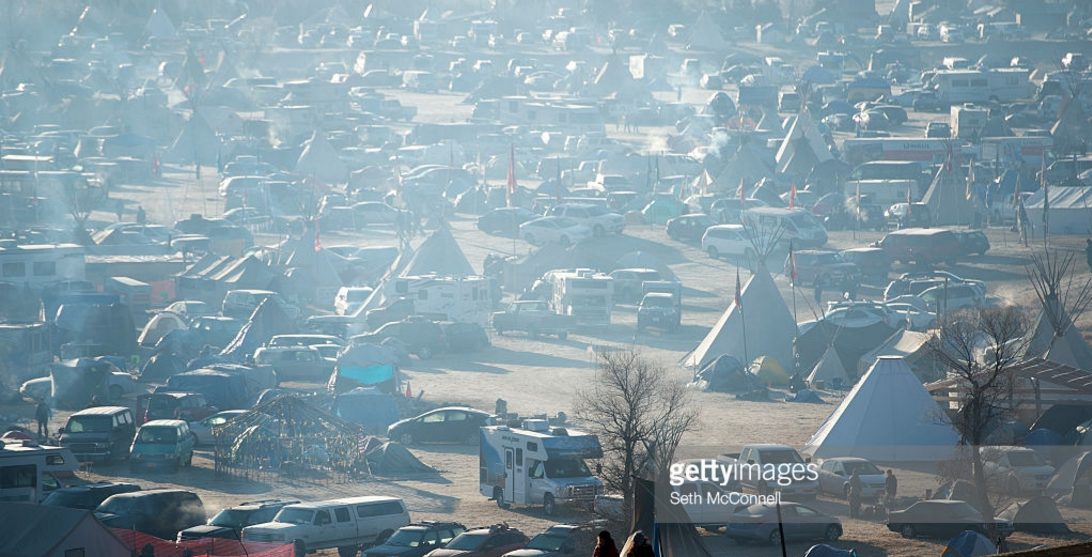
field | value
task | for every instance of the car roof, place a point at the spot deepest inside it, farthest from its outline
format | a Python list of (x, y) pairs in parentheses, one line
[(163, 423), (100, 411)]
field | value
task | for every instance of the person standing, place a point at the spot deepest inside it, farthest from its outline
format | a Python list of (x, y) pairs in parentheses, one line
[(855, 495), (141, 216), (604, 546), (42, 413), (639, 546), (890, 489), (119, 209), (819, 294)]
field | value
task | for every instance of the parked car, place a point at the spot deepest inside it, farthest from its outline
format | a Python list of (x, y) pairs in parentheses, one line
[(453, 424), (873, 263), (952, 297), (505, 220), (191, 309), (556, 541), (941, 519), (172, 405), (732, 241), (420, 336), (1017, 469), (202, 429), (162, 444), (417, 539), (295, 363), (599, 220), (558, 230), (464, 337), (834, 474), (216, 331), (908, 215), (349, 299), (229, 523), (376, 212), (921, 245), (918, 318), (690, 227), (493, 541), (99, 433), (972, 242), (241, 304), (938, 129), (759, 523), (822, 267), (629, 283), (304, 340), (159, 512), (86, 496)]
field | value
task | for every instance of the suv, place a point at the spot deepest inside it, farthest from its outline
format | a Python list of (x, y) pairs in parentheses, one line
[(1017, 469), (629, 283), (492, 541), (938, 129), (228, 524), (822, 267), (728, 240), (659, 309), (420, 336), (242, 303), (557, 540), (599, 220), (921, 245), (99, 433), (417, 539), (87, 496), (972, 242), (295, 363), (158, 512), (168, 405)]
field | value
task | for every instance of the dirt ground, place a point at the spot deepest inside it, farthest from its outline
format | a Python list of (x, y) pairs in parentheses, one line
[(544, 375)]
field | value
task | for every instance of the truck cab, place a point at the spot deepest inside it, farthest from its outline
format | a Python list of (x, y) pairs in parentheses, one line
[(661, 305)]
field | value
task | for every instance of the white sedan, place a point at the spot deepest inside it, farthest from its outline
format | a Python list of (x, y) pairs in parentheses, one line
[(202, 430), (377, 212), (560, 230), (920, 319)]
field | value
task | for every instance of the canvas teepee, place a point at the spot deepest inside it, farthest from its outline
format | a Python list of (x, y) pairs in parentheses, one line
[(319, 159), (947, 198), (887, 417), (829, 369)]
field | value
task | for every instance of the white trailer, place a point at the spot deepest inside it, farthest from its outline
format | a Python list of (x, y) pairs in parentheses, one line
[(586, 295), (31, 471), (538, 464), (465, 299)]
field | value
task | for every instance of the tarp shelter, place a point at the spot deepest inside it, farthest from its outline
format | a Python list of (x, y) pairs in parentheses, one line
[(806, 395), (441, 255), (320, 159), (267, 321), (162, 365), (393, 459), (366, 365), (36, 531), (947, 198), (887, 417), (829, 371), (74, 382), (1070, 484), (968, 544), (725, 374), (769, 371), (370, 408), (848, 343), (912, 347), (1069, 210), (1038, 515), (770, 326)]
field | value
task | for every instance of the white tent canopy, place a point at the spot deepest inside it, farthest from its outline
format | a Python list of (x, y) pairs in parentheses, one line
[(770, 326), (1069, 210), (887, 417)]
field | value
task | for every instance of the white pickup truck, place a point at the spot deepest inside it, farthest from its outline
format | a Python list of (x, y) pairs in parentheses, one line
[(348, 524), (767, 468)]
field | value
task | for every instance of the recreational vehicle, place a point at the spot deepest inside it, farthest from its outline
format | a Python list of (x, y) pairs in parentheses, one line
[(28, 472), (40, 266), (466, 299), (584, 294)]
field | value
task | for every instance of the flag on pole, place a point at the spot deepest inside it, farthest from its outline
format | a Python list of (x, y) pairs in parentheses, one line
[(1046, 198), (742, 192), (738, 292), (909, 204), (318, 242), (792, 264), (792, 196), (970, 180), (511, 173)]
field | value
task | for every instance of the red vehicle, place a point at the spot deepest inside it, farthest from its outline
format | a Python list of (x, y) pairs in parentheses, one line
[(921, 245), (172, 406)]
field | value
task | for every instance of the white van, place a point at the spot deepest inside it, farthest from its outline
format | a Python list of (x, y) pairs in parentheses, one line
[(793, 225), (347, 524)]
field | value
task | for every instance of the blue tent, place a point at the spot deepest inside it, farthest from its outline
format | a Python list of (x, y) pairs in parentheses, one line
[(969, 544)]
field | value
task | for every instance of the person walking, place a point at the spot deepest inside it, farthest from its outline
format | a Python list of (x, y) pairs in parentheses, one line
[(819, 294), (604, 546), (42, 413), (855, 495), (638, 546), (890, 489)]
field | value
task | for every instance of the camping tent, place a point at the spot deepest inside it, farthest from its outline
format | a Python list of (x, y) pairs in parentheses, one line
[(1069, 209), (1070, 485), (887, 417), (947, 199), (968, 544), (725, 374), (829, 370), (439, 254), (37, 531), (1038, 515), (769, 332), (392, 459), (769, 371)]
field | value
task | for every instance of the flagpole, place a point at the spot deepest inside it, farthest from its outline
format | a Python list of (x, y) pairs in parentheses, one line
[(742, 316)]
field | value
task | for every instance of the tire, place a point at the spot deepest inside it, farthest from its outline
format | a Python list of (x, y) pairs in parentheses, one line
[(832, 533), (713, 252), (473, 439), (424, 353), (348, 551), (565, 242), (498, 495), (562, 335), (775, 537), (300, 549), (824, 280), (548, 505), (189, 461), (406, 439), (530, 239), (908, 531)]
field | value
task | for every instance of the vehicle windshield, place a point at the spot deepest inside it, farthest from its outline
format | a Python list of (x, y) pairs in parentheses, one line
[(1026, 458), (862, 468), (567, 468), (828, 258), (781, 457), (150, 435), (294, 516), (231, 518), (657, 302), (405, 538), (546, 543), (88, 424), (467, 541)]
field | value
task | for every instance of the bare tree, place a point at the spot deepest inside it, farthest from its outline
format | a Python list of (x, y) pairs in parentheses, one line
[(639, 416), (1064, 297), (986, 384)]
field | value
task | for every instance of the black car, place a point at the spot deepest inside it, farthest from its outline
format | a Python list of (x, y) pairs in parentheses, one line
[(942, 519), (464, 337), (415, 540), (689, 228), (972, 242), (444, 425), (505, 220), (87, 496), (419, 335), (228, 524)]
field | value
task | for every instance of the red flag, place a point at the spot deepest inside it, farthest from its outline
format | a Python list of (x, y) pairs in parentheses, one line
[(792, 196), (737, 301), (512, 171), (742, 193), (318, 242)]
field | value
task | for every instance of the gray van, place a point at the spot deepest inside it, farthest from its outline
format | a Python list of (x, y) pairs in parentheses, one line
[(99, 433)]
